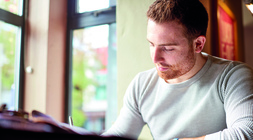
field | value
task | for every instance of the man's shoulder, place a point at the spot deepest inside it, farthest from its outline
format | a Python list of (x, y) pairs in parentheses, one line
[(150, 73), (147, 76), (229, 66), (227, 63)]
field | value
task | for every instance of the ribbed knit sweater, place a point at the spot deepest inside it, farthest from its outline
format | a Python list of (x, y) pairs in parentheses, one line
[(216, 102)]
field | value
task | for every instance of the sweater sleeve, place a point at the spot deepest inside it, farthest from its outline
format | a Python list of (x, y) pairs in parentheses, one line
[(236, 90), (129, 122)]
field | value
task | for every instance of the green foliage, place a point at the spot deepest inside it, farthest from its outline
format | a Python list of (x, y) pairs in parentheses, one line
[(80, 83), (8, 42), (77, 113), (88, 83), (10, 5), (78, 78)]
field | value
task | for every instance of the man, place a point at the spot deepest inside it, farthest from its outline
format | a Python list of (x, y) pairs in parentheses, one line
[(189, 94)]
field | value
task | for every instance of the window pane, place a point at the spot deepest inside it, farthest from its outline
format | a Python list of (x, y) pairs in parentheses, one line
[(9, 64), (93, 75), (13, 6), (92, 5)]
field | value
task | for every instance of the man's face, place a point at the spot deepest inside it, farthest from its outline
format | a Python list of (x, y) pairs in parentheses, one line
[(170, 50)]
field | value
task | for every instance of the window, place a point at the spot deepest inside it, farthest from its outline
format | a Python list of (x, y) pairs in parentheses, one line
[(11, 40), (92, 64)]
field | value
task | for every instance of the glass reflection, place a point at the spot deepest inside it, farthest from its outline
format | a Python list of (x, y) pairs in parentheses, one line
[(9, 64), (93, 75)]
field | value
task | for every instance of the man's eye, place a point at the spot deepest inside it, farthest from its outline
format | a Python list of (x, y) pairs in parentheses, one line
[(167, 49)]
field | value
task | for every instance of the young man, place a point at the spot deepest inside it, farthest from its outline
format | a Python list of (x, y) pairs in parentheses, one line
[(189, 94)]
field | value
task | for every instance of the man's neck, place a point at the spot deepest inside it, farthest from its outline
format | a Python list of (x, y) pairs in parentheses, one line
[(200, 62)]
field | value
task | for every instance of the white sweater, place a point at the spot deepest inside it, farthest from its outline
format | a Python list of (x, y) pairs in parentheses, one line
[(217, 102)]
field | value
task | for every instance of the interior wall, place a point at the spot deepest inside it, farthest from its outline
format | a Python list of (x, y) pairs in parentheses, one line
[(133, 48), (56, 58), (248, 33), (207, 48), (45, 54), (36, 55)]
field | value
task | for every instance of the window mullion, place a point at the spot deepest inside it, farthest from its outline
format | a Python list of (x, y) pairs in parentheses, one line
[(11, 18), (85, 20)]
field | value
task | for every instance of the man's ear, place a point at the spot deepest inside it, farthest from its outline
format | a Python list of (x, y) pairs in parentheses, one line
[(199, 43)]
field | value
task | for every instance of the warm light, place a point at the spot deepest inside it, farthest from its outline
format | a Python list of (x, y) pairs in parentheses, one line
[(250, 7)]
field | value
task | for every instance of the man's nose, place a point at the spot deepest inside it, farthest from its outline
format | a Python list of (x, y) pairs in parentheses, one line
[(157, 55)]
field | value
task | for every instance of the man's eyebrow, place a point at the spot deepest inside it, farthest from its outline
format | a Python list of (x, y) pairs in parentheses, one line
[(149, 41), (165, 44), (168, 44)]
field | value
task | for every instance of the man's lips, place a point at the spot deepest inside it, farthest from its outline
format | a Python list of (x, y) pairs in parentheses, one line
[(161, 68)]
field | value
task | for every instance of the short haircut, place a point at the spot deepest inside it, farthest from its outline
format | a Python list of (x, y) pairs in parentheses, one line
[(190, 13)]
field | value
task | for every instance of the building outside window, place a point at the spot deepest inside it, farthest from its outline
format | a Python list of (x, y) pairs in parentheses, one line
[(92, 64), (11, 40)]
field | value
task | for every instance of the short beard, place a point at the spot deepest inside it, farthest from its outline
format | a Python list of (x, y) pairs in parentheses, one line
[(179, 69)]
